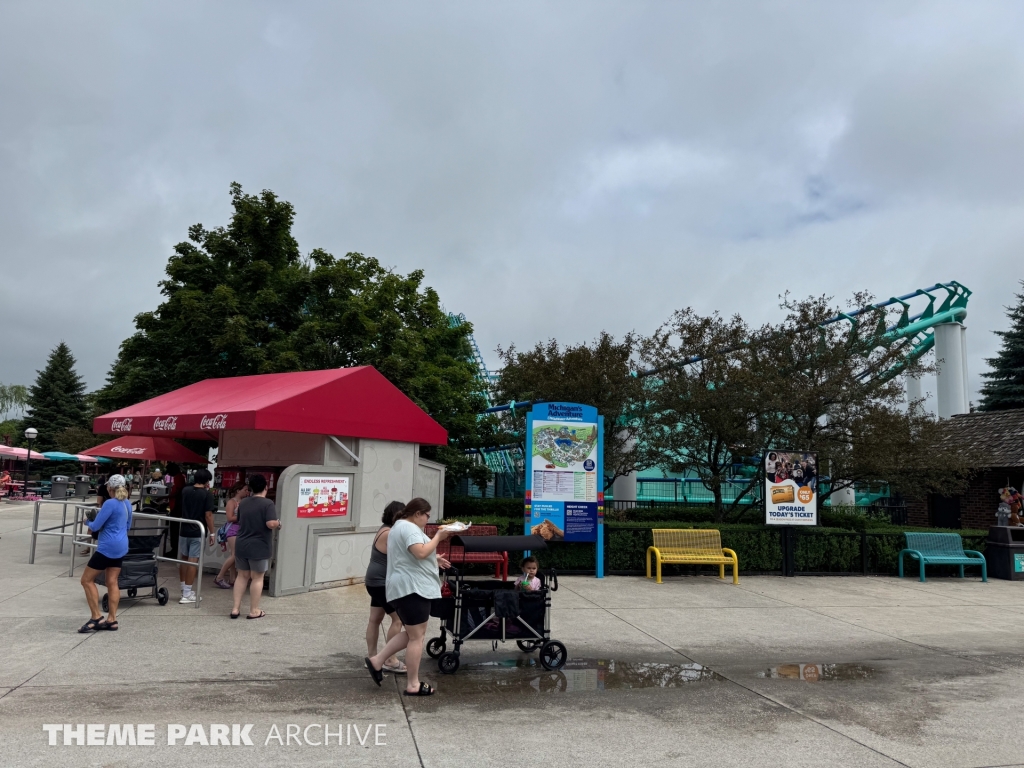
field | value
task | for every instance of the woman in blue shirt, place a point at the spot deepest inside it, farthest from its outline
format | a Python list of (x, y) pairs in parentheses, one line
[(111, 525)]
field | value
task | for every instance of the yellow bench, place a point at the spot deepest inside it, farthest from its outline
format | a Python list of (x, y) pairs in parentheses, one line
[(683, 546)]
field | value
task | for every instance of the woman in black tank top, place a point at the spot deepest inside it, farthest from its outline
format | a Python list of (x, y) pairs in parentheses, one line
[(376, 573)]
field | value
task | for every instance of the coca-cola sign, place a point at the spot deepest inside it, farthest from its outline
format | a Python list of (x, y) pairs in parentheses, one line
[(121, 425), (220, 421), (131, 451), (168, 424)]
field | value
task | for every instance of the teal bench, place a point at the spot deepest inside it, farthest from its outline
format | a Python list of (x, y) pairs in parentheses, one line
[(941, 549)]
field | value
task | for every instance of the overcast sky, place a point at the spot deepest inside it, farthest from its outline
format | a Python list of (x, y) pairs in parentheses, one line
[(556, 169)]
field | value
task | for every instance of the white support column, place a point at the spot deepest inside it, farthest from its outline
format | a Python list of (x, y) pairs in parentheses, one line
[(844, 497), (624, 488), (950, 380), (963, 359), (913, 385)]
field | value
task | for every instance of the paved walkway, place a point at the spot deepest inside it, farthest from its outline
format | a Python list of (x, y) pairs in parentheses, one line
[(695, 672)]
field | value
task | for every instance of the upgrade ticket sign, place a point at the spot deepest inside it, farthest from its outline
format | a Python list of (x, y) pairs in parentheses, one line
[(790, 488), (564, 483), (323, 496)]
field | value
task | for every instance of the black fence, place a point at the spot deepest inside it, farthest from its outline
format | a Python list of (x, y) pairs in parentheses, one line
[(762, 550)]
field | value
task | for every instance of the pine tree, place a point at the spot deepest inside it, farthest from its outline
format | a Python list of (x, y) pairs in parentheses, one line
[(57, 400), (1005, 386)]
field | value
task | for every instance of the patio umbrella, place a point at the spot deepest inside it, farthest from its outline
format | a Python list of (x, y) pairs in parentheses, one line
[(61, 456), (93, 459), (19, 453), (147, 449)]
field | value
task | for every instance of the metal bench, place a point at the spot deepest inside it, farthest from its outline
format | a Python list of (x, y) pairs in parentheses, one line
[(941, 549), (683, 546), (457, 554)]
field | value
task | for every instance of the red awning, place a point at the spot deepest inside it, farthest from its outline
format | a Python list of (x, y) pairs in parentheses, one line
[(147, 449), (345, 402)]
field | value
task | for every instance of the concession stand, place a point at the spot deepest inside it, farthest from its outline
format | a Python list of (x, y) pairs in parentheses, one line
[(336, 447)]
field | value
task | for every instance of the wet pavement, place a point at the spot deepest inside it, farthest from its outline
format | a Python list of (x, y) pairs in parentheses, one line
[(694, 672)]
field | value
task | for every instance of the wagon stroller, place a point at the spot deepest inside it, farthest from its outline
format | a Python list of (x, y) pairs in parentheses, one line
[(489, 609), (140, 568)]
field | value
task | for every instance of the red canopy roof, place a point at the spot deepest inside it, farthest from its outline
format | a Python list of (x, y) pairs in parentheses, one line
[(345, 402), (147, 449)]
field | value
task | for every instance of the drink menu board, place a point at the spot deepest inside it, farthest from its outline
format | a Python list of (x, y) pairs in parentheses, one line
[(323, 496)]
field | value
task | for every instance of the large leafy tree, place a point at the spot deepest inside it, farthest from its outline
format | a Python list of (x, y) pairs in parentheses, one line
[(601, 374), (722, 393), (242, 299), (1005, 386), (56, 401)]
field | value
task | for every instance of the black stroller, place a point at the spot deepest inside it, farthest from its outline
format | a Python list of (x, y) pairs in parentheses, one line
[(489, 609), (140, 568)]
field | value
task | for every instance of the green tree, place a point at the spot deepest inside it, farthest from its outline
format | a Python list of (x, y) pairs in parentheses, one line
[(1005, 386), (723, 393), (13, 399), (56, 400), (242, 300), (601, 374)]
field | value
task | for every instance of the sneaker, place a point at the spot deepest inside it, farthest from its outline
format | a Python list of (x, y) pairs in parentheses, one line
[(188, 599), (222, 584)]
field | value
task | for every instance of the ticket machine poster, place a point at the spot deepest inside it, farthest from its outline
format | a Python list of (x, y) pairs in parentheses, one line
[(323, 496)]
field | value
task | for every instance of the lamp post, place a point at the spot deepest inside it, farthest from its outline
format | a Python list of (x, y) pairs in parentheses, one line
[(30, 434)]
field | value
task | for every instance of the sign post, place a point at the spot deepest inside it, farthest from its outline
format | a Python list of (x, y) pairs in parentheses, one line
[(565, 475), (790, 497)]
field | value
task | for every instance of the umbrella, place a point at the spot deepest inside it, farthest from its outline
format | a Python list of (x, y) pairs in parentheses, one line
[(20, 453), (147, 449), (61, 456), (93, 459)]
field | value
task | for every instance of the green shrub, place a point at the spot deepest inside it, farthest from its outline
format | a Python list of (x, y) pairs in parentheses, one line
[(824, 549)]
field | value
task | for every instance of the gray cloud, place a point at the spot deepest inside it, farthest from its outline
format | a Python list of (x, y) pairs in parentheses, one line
[(556, 169)]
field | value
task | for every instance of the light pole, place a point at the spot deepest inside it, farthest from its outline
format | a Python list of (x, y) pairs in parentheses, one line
[(30, 434)]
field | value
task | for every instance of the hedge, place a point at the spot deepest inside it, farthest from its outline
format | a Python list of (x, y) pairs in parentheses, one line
[(823, 549)]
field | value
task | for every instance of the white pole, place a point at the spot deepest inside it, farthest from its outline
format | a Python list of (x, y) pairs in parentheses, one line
[(963, 360), (624, 488), (913, 385), (949, 377)]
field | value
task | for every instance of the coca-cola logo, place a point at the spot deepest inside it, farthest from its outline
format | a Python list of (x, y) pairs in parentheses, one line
[(220, 421), (165, 425), (121, 425), (132, 451)]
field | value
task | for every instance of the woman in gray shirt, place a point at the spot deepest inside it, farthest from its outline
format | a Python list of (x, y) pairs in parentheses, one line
[(412, 582), (375, 581)]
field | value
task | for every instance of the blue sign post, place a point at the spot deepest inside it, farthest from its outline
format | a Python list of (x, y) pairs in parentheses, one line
[(565, 475)]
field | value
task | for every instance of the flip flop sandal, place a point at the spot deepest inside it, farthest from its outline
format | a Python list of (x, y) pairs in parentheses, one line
[(110, 626), (376, 674), (395, 670), (425, 690), (90, 626), (262, 614), (233, 615)]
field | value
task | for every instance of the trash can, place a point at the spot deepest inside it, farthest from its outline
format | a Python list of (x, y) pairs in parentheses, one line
[(1004, 552), (59, 487), (82, 484)]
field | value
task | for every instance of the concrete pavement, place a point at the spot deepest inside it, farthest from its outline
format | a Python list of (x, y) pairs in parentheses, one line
[(795, 672)]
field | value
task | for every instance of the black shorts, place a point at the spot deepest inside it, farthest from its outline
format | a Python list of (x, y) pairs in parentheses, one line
[(412, 609), (102, 562), (378, 599)]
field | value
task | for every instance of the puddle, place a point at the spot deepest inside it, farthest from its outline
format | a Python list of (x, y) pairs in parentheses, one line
[(814, 673), (578, 675)]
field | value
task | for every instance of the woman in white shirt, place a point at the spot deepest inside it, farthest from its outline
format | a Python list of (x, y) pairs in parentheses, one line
[(412, 582)]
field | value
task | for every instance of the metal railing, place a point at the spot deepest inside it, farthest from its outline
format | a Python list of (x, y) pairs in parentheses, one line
[(87, 542), (691, 490), (37, 531)]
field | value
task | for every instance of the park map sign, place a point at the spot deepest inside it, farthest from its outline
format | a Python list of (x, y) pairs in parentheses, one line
[(564, 472)]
